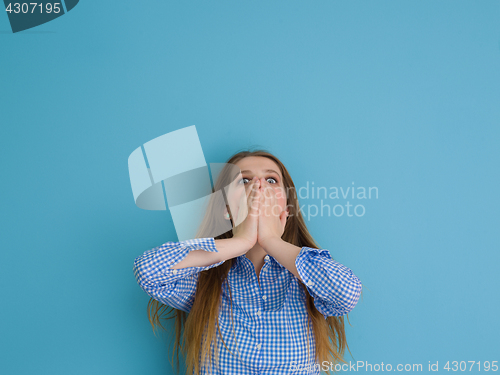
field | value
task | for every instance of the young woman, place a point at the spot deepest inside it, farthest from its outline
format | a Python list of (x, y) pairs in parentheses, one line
[(245, 299)]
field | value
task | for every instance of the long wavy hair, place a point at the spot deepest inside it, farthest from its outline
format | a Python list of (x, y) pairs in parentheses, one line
[(199, 325)]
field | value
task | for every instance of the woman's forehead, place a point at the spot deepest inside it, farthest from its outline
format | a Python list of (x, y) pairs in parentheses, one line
[(257, 164)]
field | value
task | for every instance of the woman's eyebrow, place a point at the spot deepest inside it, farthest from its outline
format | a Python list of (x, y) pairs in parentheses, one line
[(266, 170)]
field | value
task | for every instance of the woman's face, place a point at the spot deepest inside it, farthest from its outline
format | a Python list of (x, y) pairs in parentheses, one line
[(270, 178)]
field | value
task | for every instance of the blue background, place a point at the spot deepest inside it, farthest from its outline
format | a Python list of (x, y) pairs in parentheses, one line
[(401, 95)]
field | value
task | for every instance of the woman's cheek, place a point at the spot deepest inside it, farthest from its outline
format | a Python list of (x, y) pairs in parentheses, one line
[(281, 197)]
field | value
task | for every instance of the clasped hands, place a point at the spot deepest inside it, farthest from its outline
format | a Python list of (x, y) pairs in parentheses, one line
[(265, 221)]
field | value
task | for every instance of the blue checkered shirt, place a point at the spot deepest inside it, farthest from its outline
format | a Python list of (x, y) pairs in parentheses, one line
[(269, 314)]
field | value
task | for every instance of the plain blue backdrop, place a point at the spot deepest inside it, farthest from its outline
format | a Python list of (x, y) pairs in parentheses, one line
[(399, 95)]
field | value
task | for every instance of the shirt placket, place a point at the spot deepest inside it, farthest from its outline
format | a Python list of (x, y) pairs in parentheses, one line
[(260, 309)]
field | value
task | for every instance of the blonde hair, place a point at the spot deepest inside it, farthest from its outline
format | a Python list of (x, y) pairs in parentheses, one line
[(201, 322)]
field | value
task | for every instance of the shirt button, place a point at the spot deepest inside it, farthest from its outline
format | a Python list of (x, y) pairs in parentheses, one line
[(258, 346), (266, 258), (264, 298), (258, 313), (174, 272), (310, 283)]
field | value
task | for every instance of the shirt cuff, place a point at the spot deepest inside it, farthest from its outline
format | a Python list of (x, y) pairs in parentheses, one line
[(207, 244), (333, 286), (153, 267)]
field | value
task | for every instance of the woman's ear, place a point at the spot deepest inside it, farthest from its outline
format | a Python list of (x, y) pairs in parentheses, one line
[(287, 210)]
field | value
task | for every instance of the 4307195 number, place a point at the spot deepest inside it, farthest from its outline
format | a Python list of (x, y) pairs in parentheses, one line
[(469, 365), (35, 7)]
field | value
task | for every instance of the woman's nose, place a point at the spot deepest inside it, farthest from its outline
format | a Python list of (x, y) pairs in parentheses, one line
[(264, 185)]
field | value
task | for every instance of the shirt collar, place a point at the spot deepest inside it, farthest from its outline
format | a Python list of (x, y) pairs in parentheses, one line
[(242, 260)]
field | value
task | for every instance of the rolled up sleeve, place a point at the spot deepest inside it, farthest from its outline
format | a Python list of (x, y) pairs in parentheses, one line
[(333, 286), (174, 287)]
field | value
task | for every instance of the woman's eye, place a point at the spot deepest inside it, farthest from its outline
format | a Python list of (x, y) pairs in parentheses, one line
[(270, 180)]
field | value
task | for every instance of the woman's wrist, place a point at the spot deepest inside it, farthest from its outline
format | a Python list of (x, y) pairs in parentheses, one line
[(270, 242), (229, 248)]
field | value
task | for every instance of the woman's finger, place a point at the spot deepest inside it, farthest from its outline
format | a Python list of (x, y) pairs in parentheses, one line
[(250, 192), (254, 198), (273, 198), (250, 189), (244, 206), (267, 200), (262, 200)]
